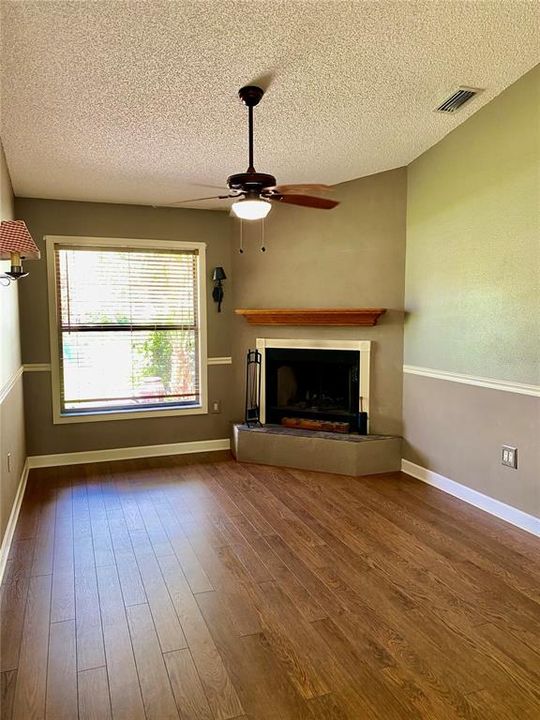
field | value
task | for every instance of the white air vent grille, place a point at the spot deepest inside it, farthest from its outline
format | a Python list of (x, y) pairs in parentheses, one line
[(461, 96)]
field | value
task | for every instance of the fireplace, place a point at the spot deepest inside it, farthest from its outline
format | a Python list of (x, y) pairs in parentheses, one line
[(315, 380)]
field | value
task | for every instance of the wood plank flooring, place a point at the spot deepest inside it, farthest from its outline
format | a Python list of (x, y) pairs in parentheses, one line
[(202, 589)]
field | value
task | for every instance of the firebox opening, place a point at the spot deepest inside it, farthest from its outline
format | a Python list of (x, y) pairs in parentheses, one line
[(314, 384)]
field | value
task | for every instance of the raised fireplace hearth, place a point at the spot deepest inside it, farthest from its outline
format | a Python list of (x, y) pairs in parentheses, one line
[(312, 450), (314, 378)]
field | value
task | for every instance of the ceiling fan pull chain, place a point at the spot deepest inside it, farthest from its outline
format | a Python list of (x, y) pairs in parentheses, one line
[(263, 248), (241, 237)]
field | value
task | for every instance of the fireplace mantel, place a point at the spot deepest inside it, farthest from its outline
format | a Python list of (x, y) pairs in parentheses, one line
[(311, 316)]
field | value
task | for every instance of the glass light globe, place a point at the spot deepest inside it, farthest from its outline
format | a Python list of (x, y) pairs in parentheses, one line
[(251, 209)]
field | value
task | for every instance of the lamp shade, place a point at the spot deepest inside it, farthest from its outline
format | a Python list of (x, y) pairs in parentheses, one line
[(15, 238), (218, 274)]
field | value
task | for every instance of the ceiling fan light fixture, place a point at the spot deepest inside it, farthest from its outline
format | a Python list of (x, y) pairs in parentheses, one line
[(249, 209)]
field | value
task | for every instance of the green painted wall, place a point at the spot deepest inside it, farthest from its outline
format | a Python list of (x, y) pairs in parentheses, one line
[(472, 296), (473, 244)]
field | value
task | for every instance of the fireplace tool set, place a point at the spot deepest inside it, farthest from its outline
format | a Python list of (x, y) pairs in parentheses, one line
[(253, 388)]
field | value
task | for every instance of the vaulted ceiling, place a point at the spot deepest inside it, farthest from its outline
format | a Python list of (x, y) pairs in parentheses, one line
[(136, 102)]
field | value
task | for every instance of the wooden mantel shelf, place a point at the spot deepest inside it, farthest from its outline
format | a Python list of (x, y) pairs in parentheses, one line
[(312, 316)]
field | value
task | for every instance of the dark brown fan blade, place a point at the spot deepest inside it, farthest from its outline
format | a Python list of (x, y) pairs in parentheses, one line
[(212, 197), (306, 201), (302, 188)]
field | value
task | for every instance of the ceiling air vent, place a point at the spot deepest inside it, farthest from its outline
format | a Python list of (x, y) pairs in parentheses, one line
[(458, 98)]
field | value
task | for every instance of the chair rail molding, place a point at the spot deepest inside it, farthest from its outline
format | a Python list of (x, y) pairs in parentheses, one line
[(46, 367), (10, 383), (37, 367), (492, 383)]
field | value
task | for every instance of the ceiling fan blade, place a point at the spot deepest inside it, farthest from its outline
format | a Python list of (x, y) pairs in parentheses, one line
[(301, 188), (212, 197), (306, 201)]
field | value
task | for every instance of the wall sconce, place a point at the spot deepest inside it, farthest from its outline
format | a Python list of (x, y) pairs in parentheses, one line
[(16, 244), (217, 293)]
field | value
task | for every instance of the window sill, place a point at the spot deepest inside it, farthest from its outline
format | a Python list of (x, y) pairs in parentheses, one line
[(134, 414)]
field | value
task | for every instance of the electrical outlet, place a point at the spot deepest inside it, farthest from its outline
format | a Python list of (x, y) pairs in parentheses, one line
[(9, 462), (216, 406), (509, 456)]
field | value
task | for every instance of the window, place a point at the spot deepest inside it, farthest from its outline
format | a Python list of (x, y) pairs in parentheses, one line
[(127, 328)]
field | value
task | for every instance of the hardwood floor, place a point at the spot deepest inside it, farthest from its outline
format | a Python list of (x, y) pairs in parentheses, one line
[(209, 590)]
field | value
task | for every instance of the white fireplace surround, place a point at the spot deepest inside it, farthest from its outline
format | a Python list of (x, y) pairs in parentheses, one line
[(363, 347)]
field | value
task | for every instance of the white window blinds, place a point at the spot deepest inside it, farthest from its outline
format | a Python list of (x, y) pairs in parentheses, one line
[(128, 322)]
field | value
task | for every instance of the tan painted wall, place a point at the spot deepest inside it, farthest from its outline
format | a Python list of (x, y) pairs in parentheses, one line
[(11, 408), (10, 354), (12, 440), (473, 297), (457, 430), (352, 256), (49, 217)]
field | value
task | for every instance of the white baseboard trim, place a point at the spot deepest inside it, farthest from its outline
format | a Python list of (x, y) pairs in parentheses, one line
[(129, 453), (12, 522), (494, 507)]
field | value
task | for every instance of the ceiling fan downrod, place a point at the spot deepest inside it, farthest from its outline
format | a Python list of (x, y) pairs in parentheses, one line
[(251, 96), (251, 183)]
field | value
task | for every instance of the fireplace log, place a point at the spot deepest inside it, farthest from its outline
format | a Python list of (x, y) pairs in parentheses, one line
[(309, 424)]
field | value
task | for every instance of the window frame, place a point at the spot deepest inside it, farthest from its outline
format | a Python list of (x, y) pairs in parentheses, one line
[(57, 241)]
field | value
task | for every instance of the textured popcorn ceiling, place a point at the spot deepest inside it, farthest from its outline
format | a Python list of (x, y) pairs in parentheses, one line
[(136, 101)]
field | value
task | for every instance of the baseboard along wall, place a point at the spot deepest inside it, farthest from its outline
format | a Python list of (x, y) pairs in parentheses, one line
[(12, 522), (505, 512), (128, 453)]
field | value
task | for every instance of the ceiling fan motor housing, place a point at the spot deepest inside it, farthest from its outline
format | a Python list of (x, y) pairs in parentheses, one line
[(251, 182)]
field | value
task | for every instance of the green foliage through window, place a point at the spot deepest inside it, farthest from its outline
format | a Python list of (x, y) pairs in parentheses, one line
[(158, 349)]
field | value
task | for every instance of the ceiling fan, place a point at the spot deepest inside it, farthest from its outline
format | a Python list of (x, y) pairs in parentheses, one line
[(255, 192)]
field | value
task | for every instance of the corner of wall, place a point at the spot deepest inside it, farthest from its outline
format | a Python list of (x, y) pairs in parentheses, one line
[(12, 433)]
